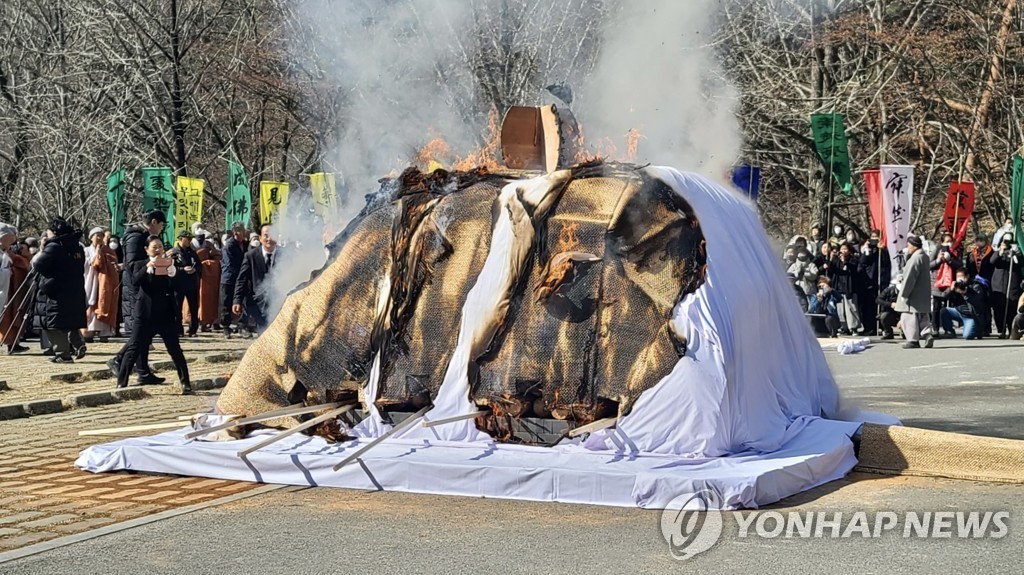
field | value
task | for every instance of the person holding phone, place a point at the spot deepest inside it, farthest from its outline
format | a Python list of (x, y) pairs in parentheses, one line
[(154, 312), (186, 282)]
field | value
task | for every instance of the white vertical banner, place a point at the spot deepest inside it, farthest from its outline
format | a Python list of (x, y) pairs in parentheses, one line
[(897, 201)]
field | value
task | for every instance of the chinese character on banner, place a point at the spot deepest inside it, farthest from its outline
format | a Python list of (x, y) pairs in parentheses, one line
[(897, 196), (273, 200)]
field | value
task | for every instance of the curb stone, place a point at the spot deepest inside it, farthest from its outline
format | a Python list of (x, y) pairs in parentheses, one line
[(12, 411), (95, 399), (43, 407)]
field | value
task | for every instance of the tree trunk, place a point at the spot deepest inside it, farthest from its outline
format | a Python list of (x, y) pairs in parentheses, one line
[(995, 72)]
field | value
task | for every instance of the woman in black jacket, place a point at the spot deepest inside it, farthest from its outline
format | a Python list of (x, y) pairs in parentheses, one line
[(154, 312), (61, 290)]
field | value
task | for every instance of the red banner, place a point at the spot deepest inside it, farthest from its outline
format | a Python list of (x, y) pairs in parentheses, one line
[(873, 190), (959, 207)]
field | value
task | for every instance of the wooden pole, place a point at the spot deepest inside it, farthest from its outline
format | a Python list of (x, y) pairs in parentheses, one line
[(409, 421), (312, 422), (595, 426), (133, 428), (297, 409), (463, 417)]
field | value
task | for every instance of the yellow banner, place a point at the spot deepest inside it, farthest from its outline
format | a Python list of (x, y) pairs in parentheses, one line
[(273, 198), (325, 198), (188, 203)]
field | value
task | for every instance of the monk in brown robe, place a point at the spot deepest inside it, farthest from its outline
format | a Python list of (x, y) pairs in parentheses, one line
[(209, 282), (15, 266), (102, 285)]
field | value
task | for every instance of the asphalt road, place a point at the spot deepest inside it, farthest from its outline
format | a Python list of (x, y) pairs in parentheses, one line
[(974, 387)]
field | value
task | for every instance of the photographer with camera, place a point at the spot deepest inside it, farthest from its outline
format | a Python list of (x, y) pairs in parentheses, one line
[(824, 303), (842, 273), (961, 307), (944, 267), (1006, 277), (805, 275), (874, 271)]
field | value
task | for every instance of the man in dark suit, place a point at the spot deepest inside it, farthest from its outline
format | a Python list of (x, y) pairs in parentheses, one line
[(251, 292), (154, 312), (136, 238), (230, 264)]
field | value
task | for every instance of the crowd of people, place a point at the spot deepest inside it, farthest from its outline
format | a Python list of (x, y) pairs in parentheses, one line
[(846, 285), (67, 289)]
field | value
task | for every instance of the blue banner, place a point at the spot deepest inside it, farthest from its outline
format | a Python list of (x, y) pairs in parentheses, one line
[(748, 179)]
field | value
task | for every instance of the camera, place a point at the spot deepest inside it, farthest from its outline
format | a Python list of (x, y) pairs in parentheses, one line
[(873, 242), (960, 285)]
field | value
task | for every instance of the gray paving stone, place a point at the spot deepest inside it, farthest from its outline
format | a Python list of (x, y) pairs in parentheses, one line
[(95, 399), (12, 411), (44, 406)]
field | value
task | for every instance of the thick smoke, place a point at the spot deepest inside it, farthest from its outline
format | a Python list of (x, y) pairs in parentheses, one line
[(657, 73), (413, 70)]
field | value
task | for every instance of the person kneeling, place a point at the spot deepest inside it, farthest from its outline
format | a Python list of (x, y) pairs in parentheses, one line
[(960, 309), (154, 312)]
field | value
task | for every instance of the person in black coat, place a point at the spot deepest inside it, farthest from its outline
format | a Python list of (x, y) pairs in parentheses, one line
[(1006, 262), (186, 281), (874, 270), (251, 294), (135, 240), (61, 290), (889, 318), (154, 312), (842, 273), (230, 265)]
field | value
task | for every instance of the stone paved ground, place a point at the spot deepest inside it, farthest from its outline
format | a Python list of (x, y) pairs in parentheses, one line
[(30, 376), (43, 496)]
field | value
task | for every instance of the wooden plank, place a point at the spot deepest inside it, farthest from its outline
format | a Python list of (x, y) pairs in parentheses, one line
[(464, 416), (306, 425), (595, 426), (297, 409), (133, 428), (406, 423)]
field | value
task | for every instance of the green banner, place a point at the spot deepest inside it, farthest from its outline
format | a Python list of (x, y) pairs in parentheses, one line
[(115, 202), (1017, 198), (158, 195), (829, 135), (238, 203)]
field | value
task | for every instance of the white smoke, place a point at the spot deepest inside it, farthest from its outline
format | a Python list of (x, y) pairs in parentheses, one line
[(413, 70), (657, 73)]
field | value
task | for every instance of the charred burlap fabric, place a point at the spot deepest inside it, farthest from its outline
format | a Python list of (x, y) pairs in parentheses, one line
[(598, 258), (897, 450)]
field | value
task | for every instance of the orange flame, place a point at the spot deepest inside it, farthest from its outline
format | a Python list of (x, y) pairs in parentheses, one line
[(487, 156), (633, 137), (436, 150)]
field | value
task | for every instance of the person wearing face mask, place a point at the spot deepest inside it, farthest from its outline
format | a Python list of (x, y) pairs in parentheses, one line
[(102, 287), (943, 267), (186, 282), (823, 304), (843, 275), (805, 274), (114, 243), (874, 271), (837, 236), (155, 312)]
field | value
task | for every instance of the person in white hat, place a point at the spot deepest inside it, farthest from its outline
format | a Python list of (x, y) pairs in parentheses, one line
[(102, 288)]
